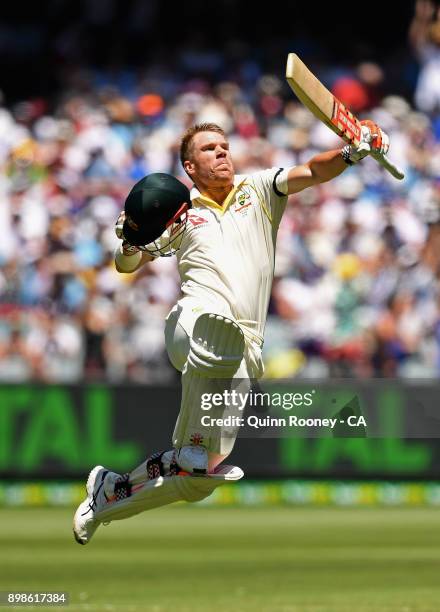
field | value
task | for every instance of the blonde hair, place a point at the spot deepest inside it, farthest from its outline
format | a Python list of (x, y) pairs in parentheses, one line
[(185, 144)]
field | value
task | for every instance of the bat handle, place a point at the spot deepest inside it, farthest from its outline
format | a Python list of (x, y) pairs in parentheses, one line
[(388, 165)]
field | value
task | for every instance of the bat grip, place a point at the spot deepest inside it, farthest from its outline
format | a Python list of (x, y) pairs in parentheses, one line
[(388, 165)]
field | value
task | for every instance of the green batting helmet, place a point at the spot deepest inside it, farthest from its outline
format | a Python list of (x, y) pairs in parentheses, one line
[(153, 204)]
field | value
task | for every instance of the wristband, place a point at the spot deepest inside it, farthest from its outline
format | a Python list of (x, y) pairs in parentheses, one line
[(346, 155)]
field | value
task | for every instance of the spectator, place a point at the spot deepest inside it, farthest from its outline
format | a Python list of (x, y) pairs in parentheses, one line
[(358, 261)]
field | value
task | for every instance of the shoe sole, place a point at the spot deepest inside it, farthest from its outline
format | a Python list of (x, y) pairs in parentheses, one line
[(90, 485)]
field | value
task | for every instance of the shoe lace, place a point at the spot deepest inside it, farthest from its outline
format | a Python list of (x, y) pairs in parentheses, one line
[(94, 500)]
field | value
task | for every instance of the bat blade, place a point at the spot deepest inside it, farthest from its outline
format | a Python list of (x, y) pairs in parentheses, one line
[(327, 108), (309, 89), (321, 102)]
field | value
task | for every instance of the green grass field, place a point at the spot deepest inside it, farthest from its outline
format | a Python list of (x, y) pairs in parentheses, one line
[(193, 558)]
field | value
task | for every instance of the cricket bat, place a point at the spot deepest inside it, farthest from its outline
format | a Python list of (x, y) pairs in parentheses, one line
[(323, 104)]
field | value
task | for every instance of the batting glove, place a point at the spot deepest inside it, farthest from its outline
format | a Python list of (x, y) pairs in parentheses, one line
[(373, 141), (127, 248), (119, 225)]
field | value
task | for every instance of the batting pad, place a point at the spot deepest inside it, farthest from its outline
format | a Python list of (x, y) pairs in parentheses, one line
[(215, 359), (216, 346), (166, 490)]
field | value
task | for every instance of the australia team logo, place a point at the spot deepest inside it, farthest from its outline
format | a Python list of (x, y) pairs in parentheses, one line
[(243, 201)]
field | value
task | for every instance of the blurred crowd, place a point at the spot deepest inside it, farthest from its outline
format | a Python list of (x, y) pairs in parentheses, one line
[(356, 289)]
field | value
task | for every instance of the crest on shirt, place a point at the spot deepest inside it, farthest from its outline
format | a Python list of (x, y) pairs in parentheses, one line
[(243, 200)]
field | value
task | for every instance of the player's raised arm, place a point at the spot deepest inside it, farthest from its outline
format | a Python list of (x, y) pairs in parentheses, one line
[(325, 166), (320, 168)]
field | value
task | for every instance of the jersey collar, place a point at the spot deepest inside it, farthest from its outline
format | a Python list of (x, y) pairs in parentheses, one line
[(201, 200)]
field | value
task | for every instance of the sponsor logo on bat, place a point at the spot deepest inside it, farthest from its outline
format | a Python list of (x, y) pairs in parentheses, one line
[(342, 116)]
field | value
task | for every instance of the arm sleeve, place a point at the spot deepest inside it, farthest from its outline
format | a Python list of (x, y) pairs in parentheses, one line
[(269, 184)]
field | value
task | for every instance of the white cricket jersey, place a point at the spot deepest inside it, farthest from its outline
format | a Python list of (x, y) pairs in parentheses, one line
[(227, 254)]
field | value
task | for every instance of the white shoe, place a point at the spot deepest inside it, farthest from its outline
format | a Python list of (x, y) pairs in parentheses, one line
[(84, 522)]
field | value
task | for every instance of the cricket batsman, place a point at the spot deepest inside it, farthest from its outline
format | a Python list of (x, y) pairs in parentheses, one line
[(223, 233)]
